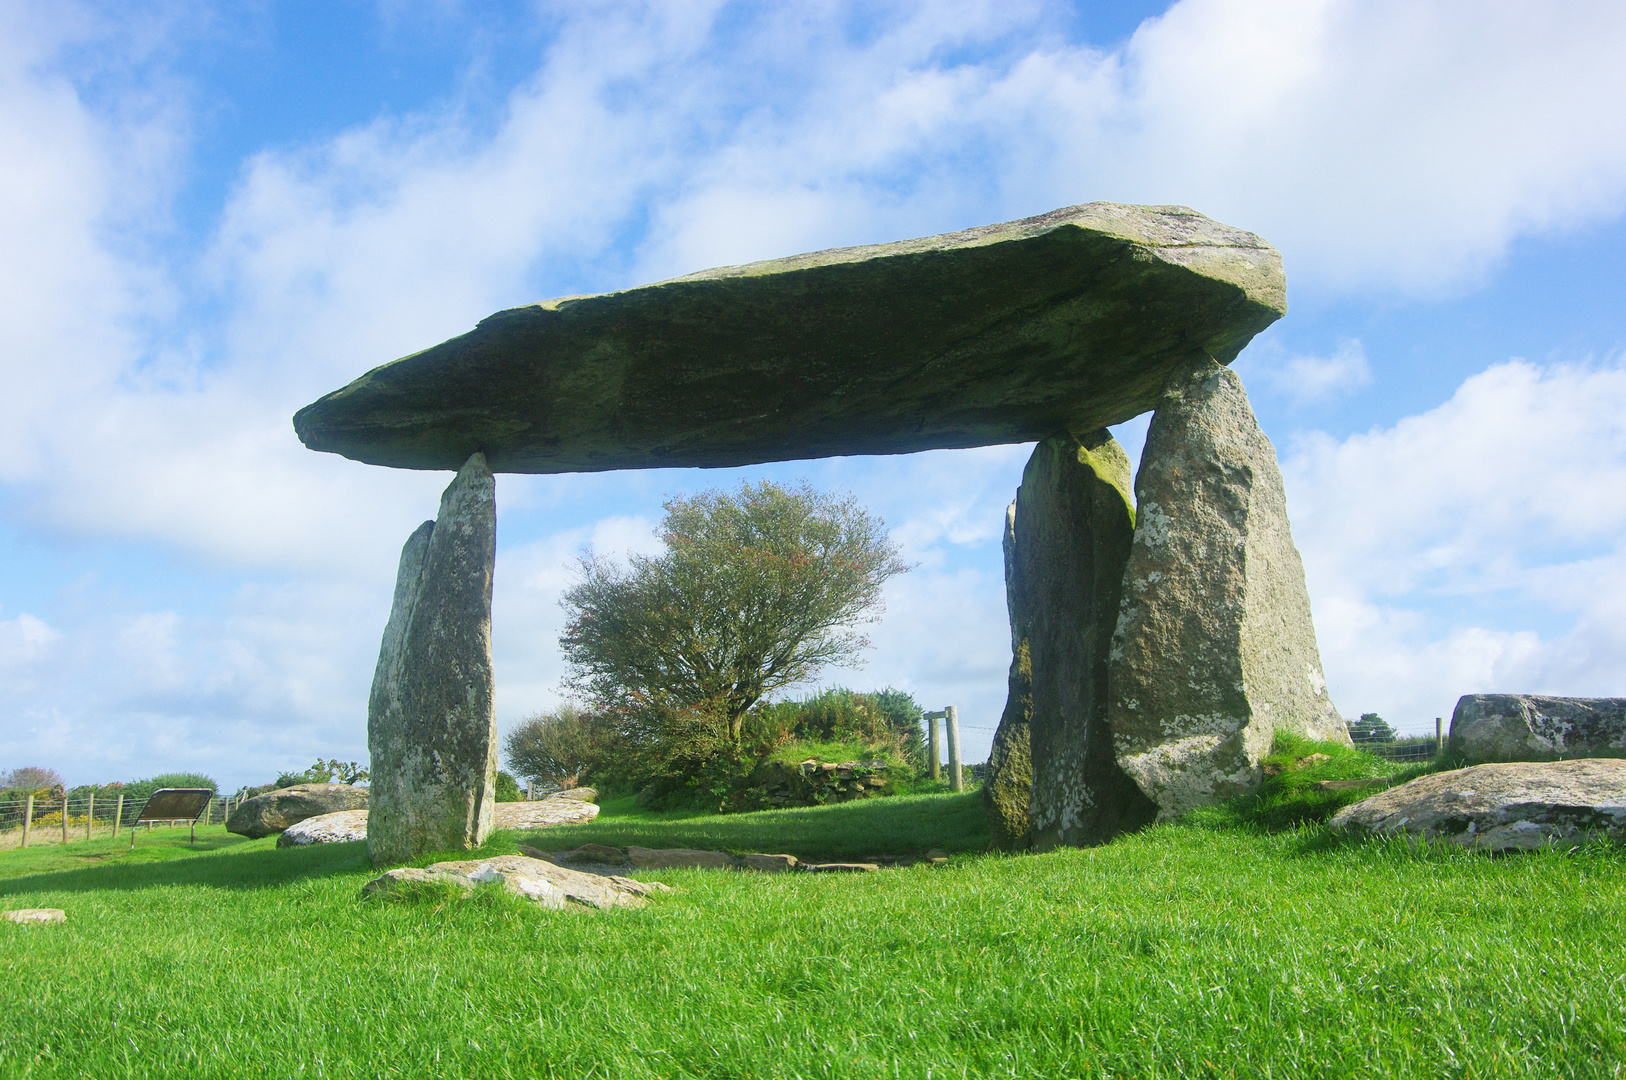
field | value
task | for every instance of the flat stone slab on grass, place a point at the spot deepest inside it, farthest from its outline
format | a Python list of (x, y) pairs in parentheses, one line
[(34, 916), (679, 858), (1006, 333), (1509, 806), (340, 828), (554, 810), (545, 883), (348, 825)]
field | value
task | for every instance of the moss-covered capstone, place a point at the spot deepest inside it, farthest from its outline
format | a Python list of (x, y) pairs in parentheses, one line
[(1005, 333)]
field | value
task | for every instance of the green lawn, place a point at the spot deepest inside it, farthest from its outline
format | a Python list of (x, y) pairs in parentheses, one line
[(1186, 950)]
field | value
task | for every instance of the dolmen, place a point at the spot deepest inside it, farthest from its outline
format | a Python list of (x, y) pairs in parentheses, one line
[(1158, 644), (279, 810)]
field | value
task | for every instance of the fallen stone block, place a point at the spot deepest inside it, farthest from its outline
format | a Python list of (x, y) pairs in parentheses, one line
[(1530, 727), (768, 864), (1509, 806), (340, 828), (841, 867), (34, 916), (679, 859), (274, 811), (544, 883)]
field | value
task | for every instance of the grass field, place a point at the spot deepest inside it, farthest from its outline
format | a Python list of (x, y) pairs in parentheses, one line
[(1187, 950)]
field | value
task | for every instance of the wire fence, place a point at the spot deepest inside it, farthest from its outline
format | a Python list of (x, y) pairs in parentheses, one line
[(1410, 750), (54, 818)]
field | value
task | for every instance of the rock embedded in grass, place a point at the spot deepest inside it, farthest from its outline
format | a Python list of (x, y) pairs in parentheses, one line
[(679, 858), (1215, 650), (1511, 806), (34, 916), (277, 810), (1530, 727), (544, 883), (340, 828)]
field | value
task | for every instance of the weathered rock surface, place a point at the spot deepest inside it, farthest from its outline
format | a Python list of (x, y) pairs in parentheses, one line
[(1069, 321), (350, 825), (1507, 806), (841, 867), (768, 864), (34, 916), (584, 794), (1215, 650), (679, 858), (277, 810), (1530, 727), (339, 828), (431, 725), (545, 883), (1007, 785), (554, 810), (1073, 530)]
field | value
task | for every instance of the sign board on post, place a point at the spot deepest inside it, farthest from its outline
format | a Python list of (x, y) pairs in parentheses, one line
[(173, 804)]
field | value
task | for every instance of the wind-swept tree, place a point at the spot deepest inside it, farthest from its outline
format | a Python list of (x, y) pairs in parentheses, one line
[(756, 590)]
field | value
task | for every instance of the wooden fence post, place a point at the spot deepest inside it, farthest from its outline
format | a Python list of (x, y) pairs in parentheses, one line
[(1439, 735), (951, 720), (118, 815), (28, 817), (64, 815), (90, 813), (934, 751)]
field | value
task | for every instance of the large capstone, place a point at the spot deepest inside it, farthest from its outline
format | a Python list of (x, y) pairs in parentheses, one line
[(1215, 651), (1006, 333), (431, 725), (1073, 530), (1532, 727), (1007, 785)]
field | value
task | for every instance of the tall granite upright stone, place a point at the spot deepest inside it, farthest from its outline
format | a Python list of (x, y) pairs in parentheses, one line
[(1214, 650), (1068, 542), (1007, 787), (431, 724)]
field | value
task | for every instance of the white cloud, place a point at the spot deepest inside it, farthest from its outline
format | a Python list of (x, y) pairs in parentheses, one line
[(1308, 379), (1387, 147), (1475, 548)]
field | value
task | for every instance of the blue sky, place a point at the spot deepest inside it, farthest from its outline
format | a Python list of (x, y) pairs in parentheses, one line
[(210, 214)]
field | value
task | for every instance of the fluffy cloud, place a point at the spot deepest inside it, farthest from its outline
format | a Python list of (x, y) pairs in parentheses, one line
[(1474, 548), (1386, 148)]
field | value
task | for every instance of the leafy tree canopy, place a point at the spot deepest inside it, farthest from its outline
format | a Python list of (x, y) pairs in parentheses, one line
[(756, 590), (1371, 728)]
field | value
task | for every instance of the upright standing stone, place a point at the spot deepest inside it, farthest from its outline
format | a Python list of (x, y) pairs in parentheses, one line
[(1073, 529), (1215, 651), (431, 725), (1008, 785)]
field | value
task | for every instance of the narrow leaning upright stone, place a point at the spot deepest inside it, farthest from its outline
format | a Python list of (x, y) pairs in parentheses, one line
[(1073, 529), (431, 723), (1214, 651), (1008, 786)]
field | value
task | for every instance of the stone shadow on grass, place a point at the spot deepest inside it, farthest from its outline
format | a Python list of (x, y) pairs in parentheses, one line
[(215, 865)]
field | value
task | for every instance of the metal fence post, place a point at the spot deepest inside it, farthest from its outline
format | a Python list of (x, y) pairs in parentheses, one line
[(951, 720), (28, 817)]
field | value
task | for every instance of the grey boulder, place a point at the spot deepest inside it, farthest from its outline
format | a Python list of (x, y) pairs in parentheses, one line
[(1506, 806), (1530, 727), (339, 828), (557, 810), (544, 883), (1214, 650), (1006, 333), (277, 810)]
